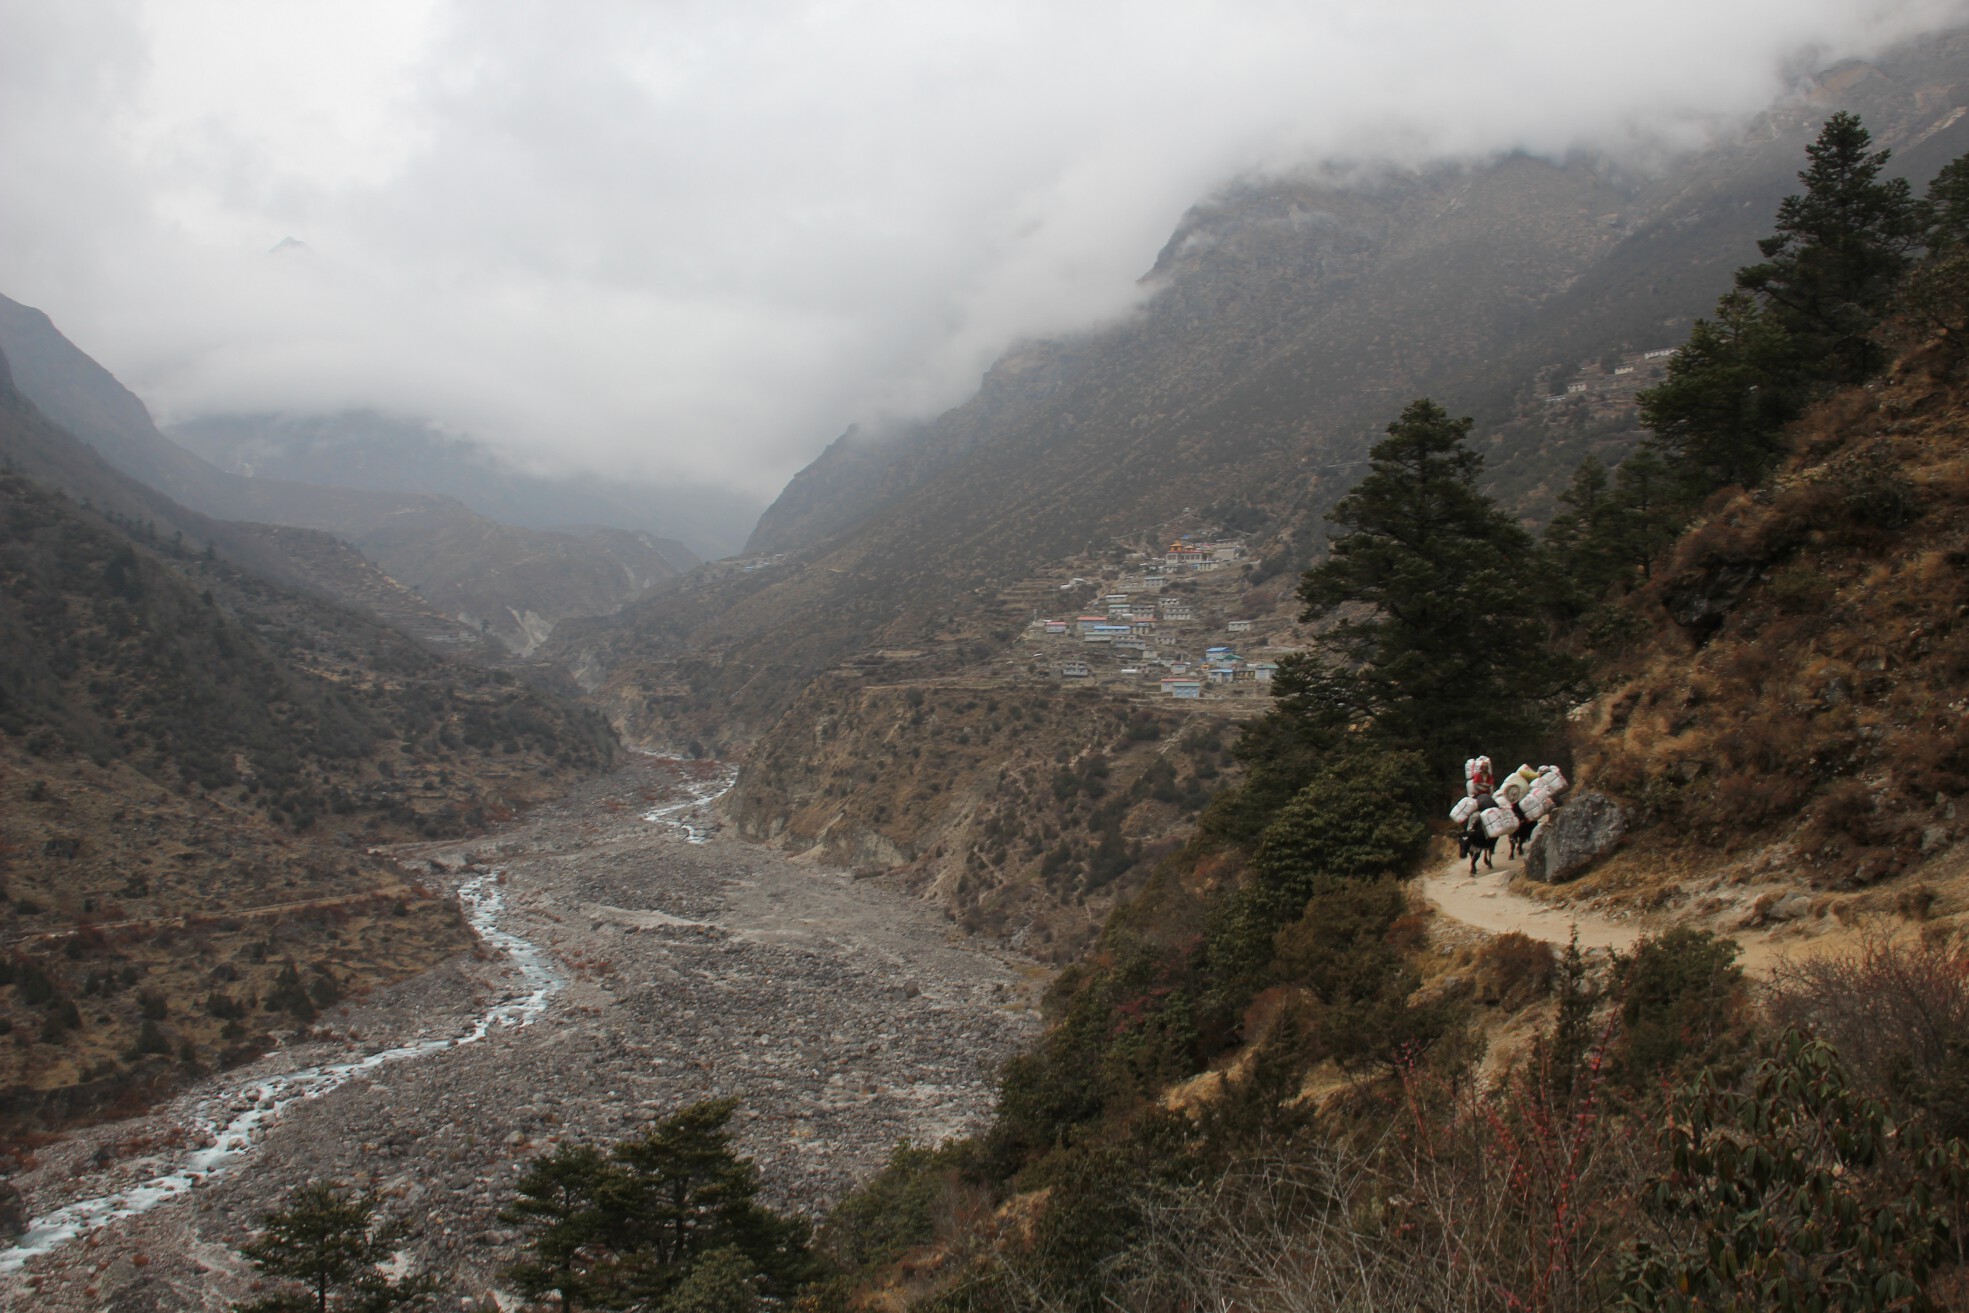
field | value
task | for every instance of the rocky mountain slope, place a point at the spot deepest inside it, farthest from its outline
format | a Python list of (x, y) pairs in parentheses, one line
[(512, 583), (195, 760), (1286, 323), (1789, 698), (1288, 320)]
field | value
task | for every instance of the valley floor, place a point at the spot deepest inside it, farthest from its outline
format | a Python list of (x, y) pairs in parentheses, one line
[(843, 1014)]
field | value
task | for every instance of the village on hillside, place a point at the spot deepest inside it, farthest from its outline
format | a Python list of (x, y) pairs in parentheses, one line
[(1167, 624), (1610, 384)]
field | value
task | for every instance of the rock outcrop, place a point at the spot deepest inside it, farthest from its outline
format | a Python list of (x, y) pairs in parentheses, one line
[(1574, 837)]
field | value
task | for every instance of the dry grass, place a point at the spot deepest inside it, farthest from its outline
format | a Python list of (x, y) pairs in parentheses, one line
[(1828, 707), (156, 901)]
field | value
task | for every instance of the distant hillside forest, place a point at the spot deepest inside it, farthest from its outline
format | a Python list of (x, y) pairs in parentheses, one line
[(113, 655)]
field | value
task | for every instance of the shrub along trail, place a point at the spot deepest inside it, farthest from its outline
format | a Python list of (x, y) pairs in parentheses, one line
[(844, 1015)]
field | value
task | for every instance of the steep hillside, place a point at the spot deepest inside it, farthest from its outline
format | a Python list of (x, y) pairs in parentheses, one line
[(1288, 318), (1791, 699), (1025, 811), (1283, 1042), (195, 760), (1286, 323), (305, 558), (506, 581)]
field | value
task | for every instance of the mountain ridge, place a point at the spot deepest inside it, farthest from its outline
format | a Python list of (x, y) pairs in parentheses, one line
[(1290, 321), (384, 453), (510, 582)]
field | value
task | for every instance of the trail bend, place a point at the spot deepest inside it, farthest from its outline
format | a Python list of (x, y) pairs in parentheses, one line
[(1486, 902)]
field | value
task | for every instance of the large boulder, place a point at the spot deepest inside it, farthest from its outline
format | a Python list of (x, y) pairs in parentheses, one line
[(1574, 837)]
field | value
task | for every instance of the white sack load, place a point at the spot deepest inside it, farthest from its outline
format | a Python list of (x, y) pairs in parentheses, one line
[(1526, 774), (1464, 809), (1500, 821), (1552, 780), (1514, 790), (1537, 804)]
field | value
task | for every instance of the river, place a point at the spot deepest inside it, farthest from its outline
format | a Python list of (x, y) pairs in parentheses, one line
[(226, 1126)]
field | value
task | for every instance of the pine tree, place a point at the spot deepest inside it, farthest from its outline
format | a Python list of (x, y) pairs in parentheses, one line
[(680, 1191), (1646, 516), (723, 1281), (1576, 572), (629, 1228), (1944, 211), (1719, 416), (1832, 267), (1452, 650), (558, 1201), (329, 1241), (1799, 323), (1935, 298)]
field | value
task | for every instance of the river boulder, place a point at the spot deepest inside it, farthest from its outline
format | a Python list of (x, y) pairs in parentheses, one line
[(1574, 837)]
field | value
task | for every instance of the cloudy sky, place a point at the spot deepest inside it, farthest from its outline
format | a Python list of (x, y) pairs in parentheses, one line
[(703, 236)]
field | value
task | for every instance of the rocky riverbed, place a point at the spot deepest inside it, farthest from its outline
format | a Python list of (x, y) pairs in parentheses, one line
[(842, 1014)]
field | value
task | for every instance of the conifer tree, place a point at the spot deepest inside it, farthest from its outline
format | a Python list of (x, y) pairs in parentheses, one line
[(1944, 211), (627, 1229), (328, 1241), (1719, 416), (1577, 571), (1833, 265), (1935, 298), (558, 1202), (1799, 323), (1451, 650), (1646, 514)]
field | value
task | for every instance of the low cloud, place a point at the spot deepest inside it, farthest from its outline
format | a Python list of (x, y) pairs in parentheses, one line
[(703, 238)]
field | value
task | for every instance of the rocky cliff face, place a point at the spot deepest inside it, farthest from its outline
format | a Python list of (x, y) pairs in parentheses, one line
[(1024, 811)]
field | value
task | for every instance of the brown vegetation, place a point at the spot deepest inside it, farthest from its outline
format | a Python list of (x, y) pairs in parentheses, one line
[(194, 764), (1803, 651), (1020, 808)]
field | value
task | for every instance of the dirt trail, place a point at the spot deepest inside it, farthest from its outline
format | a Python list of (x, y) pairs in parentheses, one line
[(1486, 902)]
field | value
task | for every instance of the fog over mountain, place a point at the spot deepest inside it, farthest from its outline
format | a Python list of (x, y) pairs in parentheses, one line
[(697, 241)]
